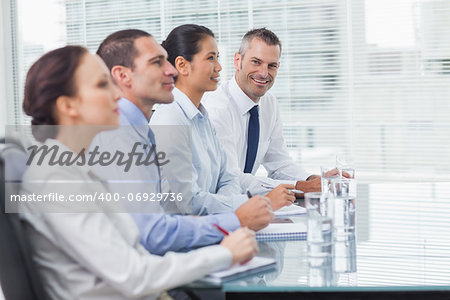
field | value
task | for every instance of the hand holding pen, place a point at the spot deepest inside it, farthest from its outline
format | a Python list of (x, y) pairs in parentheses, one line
[(256, 213), (241, 243), (281, 196)]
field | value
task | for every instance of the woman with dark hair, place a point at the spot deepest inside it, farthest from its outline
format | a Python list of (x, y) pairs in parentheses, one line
[(193, 50), (87, 250)]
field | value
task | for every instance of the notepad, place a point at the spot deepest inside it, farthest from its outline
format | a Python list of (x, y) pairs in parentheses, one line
[(256, 265), (290, 210), (282, 232)]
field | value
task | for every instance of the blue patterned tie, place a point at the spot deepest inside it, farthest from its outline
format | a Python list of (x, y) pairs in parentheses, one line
[(252, 139)]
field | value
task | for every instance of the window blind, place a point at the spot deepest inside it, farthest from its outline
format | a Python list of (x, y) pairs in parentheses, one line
[(365, 78)]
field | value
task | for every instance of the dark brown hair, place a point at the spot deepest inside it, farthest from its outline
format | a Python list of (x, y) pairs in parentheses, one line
[(118, 48), (51, 76), (184, 41)]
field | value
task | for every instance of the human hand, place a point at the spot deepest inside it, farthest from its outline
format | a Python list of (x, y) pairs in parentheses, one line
[(312, 184), (242, 245), (335, 173), (255, 214), (281, 196)]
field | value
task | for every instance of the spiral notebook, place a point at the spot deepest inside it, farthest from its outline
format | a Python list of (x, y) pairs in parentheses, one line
[(282, 232)]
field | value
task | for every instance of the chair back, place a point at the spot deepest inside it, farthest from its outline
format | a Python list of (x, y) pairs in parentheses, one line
[(18, 276)]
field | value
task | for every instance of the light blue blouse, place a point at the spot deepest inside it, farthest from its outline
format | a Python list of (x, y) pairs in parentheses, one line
[(214, 188)]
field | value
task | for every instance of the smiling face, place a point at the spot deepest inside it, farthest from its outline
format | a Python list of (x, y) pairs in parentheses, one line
[(96, 96), (205, 67), (152, 76), (257, 68)]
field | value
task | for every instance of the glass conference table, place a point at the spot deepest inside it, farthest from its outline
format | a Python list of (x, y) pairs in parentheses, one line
[(401, 250)]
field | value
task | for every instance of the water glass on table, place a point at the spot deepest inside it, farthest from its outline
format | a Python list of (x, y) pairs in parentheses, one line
[(320, 227), (328, 173), (342, 208), (316, 204), (345, 165), (344, 256), (320, 250), (320, 272)]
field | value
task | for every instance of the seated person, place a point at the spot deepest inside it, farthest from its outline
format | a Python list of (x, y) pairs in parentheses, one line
[(247, 118), (139, 67), (87, 250), (192, 49)]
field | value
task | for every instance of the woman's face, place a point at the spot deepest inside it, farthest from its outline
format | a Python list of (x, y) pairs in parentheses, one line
[(97, 95), (205, 67)]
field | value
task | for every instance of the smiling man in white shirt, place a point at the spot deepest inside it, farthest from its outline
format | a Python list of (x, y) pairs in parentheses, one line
[(247, 118)]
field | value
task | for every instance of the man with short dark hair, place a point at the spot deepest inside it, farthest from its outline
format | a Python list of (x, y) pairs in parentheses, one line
[(247, 118), (139, 67)]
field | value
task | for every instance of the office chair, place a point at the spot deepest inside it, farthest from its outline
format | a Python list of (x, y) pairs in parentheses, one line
[(18, 277)]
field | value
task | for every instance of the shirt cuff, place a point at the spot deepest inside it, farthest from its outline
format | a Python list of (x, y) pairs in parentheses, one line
[(229, 221), (238, 201)]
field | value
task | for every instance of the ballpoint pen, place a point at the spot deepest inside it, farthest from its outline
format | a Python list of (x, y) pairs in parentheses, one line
[(224, 231), (292, 190), (296, 191)]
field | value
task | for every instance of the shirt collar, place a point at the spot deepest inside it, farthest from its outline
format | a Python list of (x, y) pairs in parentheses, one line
[(84, 168), (187, 106), (243, 102), (130, 114)]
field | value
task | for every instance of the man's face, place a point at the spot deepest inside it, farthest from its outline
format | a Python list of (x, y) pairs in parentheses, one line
[(152, 74), (257, 68)]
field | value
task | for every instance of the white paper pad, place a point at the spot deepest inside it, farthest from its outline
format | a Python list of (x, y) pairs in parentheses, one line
[(257, 263), (290, 210)]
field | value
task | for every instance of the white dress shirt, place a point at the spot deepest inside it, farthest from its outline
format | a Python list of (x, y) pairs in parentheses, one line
[(228, 109), (97, 255), (214, 188)]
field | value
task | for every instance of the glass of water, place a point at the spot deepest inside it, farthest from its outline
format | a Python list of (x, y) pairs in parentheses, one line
[(328, 173), (342, 208), (315, 203), (320, 250), (320, 236)]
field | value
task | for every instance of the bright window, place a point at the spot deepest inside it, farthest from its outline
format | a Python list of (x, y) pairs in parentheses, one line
[(369, 78)]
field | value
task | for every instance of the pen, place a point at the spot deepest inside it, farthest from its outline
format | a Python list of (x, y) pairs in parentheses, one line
[(272, 187), (224, 231), (249, 195), (267, 186)]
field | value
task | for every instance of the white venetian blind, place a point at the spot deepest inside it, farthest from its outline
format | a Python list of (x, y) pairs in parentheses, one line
[(368, 78), (401, 88)]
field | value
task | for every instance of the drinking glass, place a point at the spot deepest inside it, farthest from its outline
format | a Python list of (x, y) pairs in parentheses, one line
[(326, 174), (320, 250), (320, 272), (342, 208), (344, 255), (320, 236), (316, 203)]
